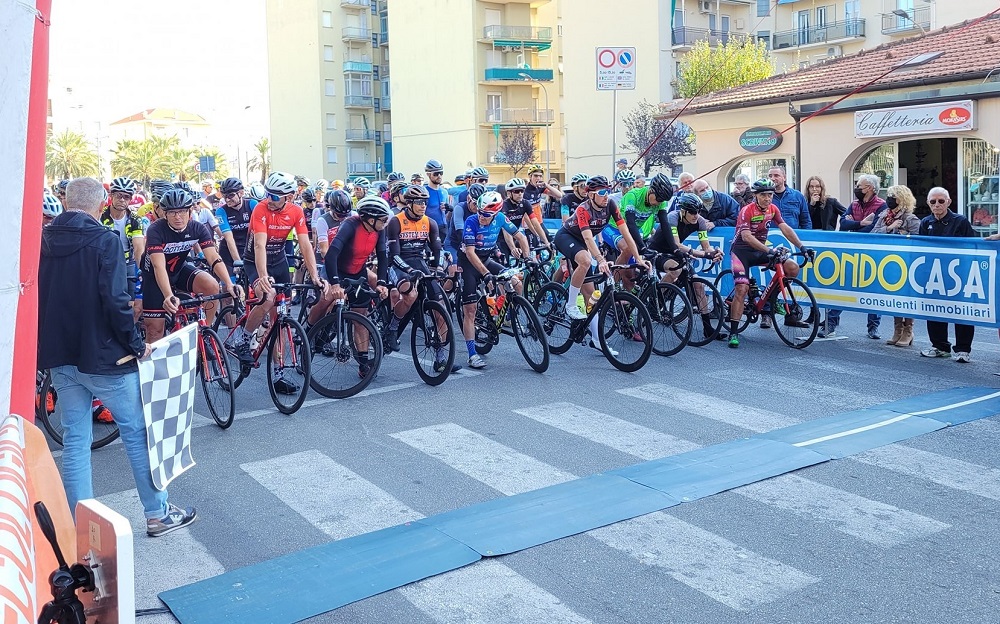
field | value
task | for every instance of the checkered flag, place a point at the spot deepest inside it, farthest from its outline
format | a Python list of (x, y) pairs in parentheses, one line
[(168, 382)]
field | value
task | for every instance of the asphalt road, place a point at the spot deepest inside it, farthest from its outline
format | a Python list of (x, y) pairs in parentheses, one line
[(904, 533)]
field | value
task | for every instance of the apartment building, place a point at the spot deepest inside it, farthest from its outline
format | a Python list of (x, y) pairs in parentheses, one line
[(328, 67)]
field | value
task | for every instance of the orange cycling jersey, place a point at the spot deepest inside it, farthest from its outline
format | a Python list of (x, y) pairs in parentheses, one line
[(276, 224)]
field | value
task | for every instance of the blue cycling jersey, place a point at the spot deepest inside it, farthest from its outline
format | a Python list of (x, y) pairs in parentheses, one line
[(435, 200), (484, 237)]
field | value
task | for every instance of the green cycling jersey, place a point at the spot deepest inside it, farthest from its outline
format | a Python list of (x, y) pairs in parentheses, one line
[(634, 202)]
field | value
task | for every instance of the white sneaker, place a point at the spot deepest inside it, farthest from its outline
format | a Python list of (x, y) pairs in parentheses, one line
[(594, 345), (963, 357), (477, 361), (574, 312)]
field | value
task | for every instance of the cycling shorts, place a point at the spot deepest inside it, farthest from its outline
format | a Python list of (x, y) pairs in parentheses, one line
[(279, 272), (471, 277), (152, 302), (742, 259), (611, 236)]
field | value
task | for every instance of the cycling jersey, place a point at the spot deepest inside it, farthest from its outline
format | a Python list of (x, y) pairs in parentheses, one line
[(326, 227), (237, 221), (436, 201), (409, 240), (663, 241), (591, 217), (483, 238), (515, 212), (351, 248), (277, 224), (533, 194), (127, 228), (755, 220), (635, 205), (569, 202), (175, 246)]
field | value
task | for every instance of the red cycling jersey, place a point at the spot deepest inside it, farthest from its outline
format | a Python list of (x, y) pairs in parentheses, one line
[(276, 224), (756, 220)]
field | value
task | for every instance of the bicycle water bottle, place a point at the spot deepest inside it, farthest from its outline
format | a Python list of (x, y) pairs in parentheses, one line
[(491, 303), (581, 303), (594, 298)]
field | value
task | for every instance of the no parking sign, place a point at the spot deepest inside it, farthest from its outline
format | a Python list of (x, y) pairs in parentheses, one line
[(615, 69)]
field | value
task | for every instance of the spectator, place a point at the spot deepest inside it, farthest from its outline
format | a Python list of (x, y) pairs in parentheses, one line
[(719, 210), (898, 218), (860, 217), (943, 222), (85, 330), (207, 189), (824, 211), (684, 181), (621, 164), (741, 190), (792, 204)]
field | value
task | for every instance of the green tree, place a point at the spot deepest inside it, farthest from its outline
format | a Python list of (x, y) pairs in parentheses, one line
[(262, 160), (221, 162), (741, 60), (140, 160), (180, 162), (69, 155), (517, 148), (642, 128)]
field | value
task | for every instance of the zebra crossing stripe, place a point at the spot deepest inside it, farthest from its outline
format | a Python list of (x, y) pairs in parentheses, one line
[(722, 410), (947, 471), (802, 389)]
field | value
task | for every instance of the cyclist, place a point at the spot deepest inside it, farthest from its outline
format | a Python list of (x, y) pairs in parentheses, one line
[(570, 201), (453, 243), (338, 208), (750, 249), (265, 259), (127, 226), (165, 267), (394, 196), (51, 208), (625, 181), (301, 184), (521, 213), (361, 186), (536, 188), (60, 190), (357, 238), (234, 221), (395, 176), (437, 196), (479, 175), (480, 238), (577, 241), (256, 192)]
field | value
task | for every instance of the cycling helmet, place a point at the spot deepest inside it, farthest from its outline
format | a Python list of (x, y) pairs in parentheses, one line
[(689, 202), (535, 169), (476, 191), (51, 206), (157, 189), (61, 186), (579, 177), (762, 186), (231, 185), (321, 184), (597, 183), (123, 184), (257, 192), (625, 176), (434, 166), (661, 187), (489, 203), (362, 182), (301, 181), (515, 184), (373, 207), (381, 187), (397, 187), (176, 199), (279, 183), (414, 193), (338, 202), (480, 173), (308, 195), (395, 176), (337, 184)]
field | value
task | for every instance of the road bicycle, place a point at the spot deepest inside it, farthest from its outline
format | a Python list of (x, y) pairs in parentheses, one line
[(215, 366), (668, 308), (538, 272), (105, 431), (500, 310), (285, 341), (786, 301), (707, 312), (624, 326)]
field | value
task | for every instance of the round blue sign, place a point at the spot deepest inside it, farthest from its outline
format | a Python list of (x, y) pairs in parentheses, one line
[(625, 58)]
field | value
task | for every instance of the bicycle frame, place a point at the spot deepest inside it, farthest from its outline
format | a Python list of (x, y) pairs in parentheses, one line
[(777, 281)]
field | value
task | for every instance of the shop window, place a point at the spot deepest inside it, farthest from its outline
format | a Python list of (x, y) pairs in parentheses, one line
[(982, 184), (880, 161), (756, 168)]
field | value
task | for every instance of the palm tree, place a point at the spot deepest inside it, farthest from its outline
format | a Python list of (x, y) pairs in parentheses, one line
[(262, 161), (69, 155), (139, 160), (180, 162), (221, 162)]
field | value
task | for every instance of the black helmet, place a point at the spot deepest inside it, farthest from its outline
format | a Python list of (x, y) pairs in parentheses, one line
[(397, 187), (688, 202), (381, 187), (762, 186), (394, 176), (597, 183), (661, 187), (61, 186), (231, 185), (176, 199), (338, 202), (414, 193), (433, 166), (308, 195), (476, 191)]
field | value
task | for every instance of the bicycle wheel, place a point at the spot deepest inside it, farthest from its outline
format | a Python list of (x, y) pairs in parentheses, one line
[(486, 328), (47, 411), (216, 368), (724, 284), (532, 286), (288, 364), (796, 317), (432, 349), (240, 370), (337, 370), (707, 314), (671, 314), (621, 319), (551, 306), (529, 334)]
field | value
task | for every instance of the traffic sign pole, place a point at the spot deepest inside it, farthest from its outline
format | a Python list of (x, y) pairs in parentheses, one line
[(615, 70)]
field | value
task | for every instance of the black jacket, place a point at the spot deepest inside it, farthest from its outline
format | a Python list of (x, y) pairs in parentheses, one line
[(84, 318), (952, 225), (825, 216)]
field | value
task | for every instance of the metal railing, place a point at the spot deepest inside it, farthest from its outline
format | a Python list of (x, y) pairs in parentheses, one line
[(356, 4), (359, 101), (359, 134), (514, 73), (519, 115), (356, 33), (518, 33), (362, 168), (498, 158), (819, 34), (358, 66), (892, 24), (686, 37)]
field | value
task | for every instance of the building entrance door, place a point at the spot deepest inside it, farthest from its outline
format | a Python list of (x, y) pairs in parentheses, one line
[(926, 163)]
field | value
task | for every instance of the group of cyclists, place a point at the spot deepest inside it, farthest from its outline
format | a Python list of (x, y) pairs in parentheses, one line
[(286, 229)]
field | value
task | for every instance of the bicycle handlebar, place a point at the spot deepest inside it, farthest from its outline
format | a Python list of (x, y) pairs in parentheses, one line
[(201, 299)]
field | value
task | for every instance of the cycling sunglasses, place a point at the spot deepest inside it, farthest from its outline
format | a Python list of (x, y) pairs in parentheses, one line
[(603, 192)]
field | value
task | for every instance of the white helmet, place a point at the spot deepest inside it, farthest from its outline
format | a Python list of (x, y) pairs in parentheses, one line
[(373, 207), (280, 183), (257, 192), (51, 206), (489, 203)]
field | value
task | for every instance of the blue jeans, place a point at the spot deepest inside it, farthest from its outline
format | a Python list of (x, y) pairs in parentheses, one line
[(833, 320), (120, 394)]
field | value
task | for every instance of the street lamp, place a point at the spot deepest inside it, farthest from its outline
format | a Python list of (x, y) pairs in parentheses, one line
[(548, 126), (905, 15)]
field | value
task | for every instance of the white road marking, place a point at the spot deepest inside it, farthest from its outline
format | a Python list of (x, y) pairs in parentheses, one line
[(802, 388), (947, 471), (707, 406), (869, 371)]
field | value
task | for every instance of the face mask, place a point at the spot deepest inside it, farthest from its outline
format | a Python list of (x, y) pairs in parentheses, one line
[(891, 203), (860, 194), (707, 196)]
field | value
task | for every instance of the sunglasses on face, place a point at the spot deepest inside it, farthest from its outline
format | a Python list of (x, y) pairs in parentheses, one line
[(418, 202), (936, 201), (516, 191), (603, 192)]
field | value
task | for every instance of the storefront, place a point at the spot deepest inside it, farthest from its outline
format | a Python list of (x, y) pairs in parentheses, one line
[(933, 121)]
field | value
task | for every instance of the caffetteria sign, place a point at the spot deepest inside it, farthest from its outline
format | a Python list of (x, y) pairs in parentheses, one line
[(931, 118)]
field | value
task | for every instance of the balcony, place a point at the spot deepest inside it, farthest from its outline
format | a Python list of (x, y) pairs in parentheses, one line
[(359, 134), (356, 33), (383, 70), (819, 35), (383, 38), (517, 33), (896, 25), (685, 38), (494, 157), (386, 103), (359, 101), (513, 73), (362, 168), (364, 67), (519, 115), (361, 5)]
